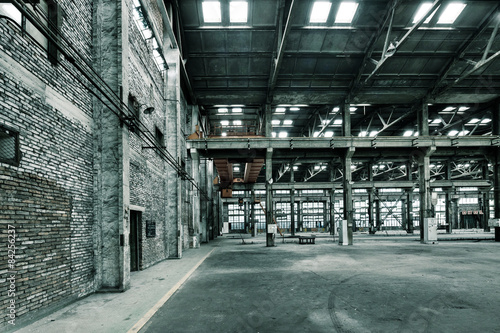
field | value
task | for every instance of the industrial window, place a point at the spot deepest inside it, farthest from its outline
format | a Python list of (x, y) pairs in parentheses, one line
[(142, 23), (346, 12), (9, 146), (320, 12), (159, 136), (238, 11), (48, 14), (236, 217)]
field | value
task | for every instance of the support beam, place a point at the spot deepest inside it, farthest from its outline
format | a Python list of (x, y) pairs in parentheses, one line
[(292, 201), (195, 224), (424, 188), (279, 57), (346, 119), (269, 198), (348, 203), (398, 44)]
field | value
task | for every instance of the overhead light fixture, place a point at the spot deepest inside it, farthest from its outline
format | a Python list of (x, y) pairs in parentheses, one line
[(211, 11), (346, 12), (408, 133), (451, 13), (238, 11), (236, 169), (320, 12)]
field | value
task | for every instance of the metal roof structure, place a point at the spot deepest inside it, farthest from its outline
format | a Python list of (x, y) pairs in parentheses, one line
[(385, 63)]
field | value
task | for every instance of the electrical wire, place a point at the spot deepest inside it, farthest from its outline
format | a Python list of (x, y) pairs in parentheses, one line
[(82, 65)]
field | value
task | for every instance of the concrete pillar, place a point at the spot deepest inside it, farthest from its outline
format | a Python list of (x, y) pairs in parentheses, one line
[(450, 209), (425, 189), (252, 213), (496, 168), (299, 215), (203, 221), (210, 202), (332, 210), (268, 116), (486, 197), (269, 198), (195, 224), (111, 150), (292, 201), (409, 208), (423, 120), (345, 108), (371, 219), (404, 214), (348, 207), (378, 222)]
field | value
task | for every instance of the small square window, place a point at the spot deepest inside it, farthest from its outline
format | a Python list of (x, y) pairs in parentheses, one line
[(9, 146), (159, 136)]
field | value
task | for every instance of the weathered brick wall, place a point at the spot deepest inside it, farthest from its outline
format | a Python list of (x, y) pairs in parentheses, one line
[(48, 197), (148, 183)]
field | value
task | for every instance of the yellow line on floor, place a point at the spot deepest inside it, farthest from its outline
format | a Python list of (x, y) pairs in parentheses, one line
[(165, 298)]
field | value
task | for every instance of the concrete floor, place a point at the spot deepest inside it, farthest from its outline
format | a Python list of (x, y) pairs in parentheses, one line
[(380, 284)]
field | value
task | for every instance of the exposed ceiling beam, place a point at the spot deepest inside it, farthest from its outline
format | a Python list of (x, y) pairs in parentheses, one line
[(276, 65), (398, 44), (434, 91)]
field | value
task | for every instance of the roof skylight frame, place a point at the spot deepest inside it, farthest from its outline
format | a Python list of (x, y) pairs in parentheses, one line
[(346, 12), (320, 12), (451, 12), (238, 12), (211, 11)]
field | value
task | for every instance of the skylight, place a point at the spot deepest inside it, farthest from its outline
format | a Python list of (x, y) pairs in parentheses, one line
[(283, 134), (294, 108), (337, 122), (224, 134), (328, 134), (485, 121), (280, 109), (346, 12), (363, 133), (211, 11), (463, 108), (276, 122), (273, 134), (452, 133), (474, 121), (463, 133), (287, 122), (320, 12), (451, 13), (236, 169), (449, 108), (237, 122), (222, 110), (422, 10), (315, 134), (295, 168), (373, 133), (238, 11), (224, 122), (237, 110)]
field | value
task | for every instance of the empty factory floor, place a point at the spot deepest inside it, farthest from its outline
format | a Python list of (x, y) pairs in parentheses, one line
[(380, 284)]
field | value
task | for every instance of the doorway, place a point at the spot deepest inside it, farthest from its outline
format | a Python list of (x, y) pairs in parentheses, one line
[(135, 239)]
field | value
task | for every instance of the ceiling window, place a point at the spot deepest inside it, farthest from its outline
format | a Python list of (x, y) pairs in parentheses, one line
[(346, 12), (237, 110), (294, 108), (451, 13), (287, 122), (237, 122), (211, 11), (283, 134), (222, 110), (422, 10), (280, 110), (320, 12), (238, 11), (276, 122), (328, 134), (224, 122)]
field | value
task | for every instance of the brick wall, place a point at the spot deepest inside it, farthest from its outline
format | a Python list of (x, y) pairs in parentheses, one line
[(48, 197)]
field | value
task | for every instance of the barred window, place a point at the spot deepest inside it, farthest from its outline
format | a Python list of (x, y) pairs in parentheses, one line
[(9, 146)]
